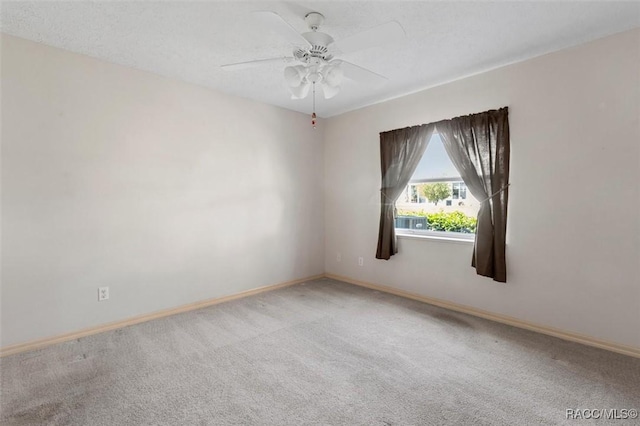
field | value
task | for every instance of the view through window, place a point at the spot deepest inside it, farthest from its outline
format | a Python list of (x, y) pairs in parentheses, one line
[(436, 200)]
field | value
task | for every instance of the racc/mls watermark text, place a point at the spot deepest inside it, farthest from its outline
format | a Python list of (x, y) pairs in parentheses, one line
[(601, 413)]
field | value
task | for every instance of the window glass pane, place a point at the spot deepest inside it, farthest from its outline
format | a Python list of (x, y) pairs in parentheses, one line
[(435, 163), (436, 198)]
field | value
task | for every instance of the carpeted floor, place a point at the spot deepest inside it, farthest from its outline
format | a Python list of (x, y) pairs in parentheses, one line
[(323, 353)]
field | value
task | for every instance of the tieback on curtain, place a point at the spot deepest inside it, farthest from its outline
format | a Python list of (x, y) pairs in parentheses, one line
[(496, 193), (386, 199)]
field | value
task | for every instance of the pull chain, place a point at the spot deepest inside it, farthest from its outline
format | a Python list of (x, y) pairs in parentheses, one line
[(313, 115)]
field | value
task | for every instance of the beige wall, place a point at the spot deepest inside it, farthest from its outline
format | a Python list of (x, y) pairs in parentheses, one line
[(166, 192), (573, 257), (116, 177)]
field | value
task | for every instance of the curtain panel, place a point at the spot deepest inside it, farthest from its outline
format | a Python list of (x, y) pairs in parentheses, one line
[(400, 153), (479, 148)]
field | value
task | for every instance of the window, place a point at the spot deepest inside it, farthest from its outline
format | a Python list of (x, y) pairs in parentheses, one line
[(436, 201), (458, 190)]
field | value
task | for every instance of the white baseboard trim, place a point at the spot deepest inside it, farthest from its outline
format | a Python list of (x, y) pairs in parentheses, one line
[(565, 335), (48, 341)]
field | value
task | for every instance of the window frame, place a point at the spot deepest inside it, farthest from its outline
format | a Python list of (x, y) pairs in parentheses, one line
[(435, 235), (429, 233)]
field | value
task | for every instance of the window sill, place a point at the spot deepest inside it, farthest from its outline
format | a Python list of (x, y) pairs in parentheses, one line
[(446, 239)]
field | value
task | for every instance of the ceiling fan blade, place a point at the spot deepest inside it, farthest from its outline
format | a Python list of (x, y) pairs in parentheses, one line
[(354, 72), (251, 64), (376, 36), (277, 24)]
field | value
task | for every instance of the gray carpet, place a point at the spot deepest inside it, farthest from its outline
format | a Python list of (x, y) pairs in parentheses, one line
[(322, 352)]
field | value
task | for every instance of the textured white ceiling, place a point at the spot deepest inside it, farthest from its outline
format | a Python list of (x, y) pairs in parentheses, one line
[(189, 40)]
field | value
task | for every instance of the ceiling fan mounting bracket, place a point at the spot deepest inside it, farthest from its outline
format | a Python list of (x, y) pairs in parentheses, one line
[(314, 20)]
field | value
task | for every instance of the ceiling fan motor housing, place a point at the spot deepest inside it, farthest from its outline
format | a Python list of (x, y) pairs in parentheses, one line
[(317, 53), (318, 49)]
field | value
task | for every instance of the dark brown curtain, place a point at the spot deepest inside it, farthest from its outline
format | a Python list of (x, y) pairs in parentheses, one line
[(478, 146), (400, 153)]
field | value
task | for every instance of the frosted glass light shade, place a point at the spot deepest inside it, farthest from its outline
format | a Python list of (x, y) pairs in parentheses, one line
[(294, 76), (300, 92)]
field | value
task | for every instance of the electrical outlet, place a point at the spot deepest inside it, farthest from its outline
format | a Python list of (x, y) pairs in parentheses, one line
[(361, 261), (339, 257), (103, 293)]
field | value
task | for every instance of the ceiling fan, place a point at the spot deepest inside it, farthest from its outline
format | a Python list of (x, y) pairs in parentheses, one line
[(315, 54)]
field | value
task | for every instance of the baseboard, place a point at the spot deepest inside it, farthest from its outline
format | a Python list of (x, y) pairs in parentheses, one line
[(42, 343), (565, 335)]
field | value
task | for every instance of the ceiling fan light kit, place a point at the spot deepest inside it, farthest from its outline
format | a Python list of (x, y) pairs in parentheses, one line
[(315, 55)]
